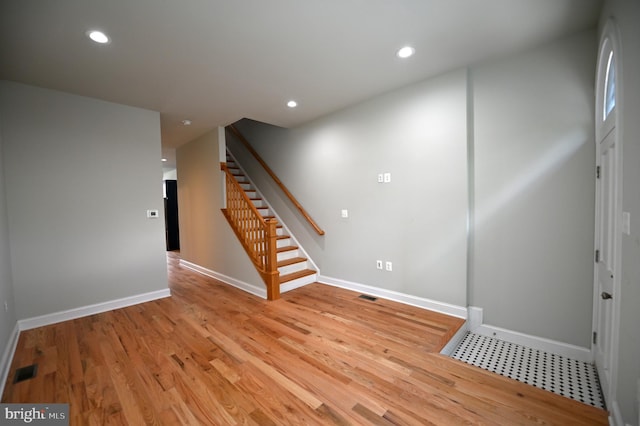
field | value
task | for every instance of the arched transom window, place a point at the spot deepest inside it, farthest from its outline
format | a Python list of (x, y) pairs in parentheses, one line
[(609, 87)]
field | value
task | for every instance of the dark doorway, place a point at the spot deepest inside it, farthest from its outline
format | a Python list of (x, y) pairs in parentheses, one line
[(171, 215)]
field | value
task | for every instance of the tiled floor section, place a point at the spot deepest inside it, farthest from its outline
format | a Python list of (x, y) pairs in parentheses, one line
[(564, 376)]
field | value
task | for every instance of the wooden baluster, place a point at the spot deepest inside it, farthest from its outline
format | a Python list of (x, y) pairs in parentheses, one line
[(273, 276)]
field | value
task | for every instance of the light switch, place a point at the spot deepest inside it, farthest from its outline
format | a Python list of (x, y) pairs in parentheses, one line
[(152, 214), (626, 223), (388, 266), (345, 213)]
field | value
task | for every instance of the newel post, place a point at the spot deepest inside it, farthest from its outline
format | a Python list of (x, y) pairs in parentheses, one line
[(273, 276)]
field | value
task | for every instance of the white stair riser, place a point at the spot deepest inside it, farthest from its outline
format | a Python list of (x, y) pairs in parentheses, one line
[(245, 186), (289, 269), (290, 285), (283, 242), (258, 202), (289, 254)]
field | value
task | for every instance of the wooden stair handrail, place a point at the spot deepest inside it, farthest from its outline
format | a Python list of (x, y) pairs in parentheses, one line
[(284, 189)]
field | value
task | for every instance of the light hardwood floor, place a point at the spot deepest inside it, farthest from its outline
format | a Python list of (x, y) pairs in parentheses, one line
[(214, 355)]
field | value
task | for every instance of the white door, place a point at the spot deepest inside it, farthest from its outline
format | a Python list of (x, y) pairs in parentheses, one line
[(606, 257), (608, 210)]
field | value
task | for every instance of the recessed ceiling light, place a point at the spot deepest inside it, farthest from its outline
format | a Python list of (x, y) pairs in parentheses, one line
[(98, 37), (186, 122), (164, 160), (292, 104), (405, 52)]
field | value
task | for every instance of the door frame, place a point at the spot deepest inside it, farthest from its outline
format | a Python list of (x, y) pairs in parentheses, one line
[(609, 41)]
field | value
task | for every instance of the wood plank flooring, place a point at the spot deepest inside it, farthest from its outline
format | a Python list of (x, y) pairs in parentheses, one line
[(214, 355)]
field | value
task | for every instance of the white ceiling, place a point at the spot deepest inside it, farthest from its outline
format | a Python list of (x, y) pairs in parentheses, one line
[(216, 61)]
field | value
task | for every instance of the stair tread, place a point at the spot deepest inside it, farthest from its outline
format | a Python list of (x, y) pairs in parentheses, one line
[(282, 237), (291, 261), (287, 248), (296, 275)]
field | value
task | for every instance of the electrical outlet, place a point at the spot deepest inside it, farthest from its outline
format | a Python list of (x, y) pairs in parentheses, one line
[(379, 264), (344, 213), (380, 178), (387, 177), (389, 266)]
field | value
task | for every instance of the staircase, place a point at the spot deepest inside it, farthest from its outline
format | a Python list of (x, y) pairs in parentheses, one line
[(295, 270)]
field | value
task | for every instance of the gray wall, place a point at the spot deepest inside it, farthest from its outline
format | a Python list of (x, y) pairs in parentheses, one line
[(418, 221), (627, 17), (534, 190), (533, 161), (8, 318), (80, 174), (206, 238)]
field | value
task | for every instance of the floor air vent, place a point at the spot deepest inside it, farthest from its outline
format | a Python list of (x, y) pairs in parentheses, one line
[(26, 373), (367, 297)]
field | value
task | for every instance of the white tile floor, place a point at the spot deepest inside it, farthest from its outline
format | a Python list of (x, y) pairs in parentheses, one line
[(564, 376)]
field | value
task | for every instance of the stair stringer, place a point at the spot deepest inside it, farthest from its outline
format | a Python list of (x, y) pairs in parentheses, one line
[(290, 285)]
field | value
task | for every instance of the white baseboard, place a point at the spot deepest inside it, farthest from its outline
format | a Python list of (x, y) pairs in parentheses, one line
[(7, 357), (249, 288), (29, 323), (420, 302), (615, 415), (451, 346), (552, 346)]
